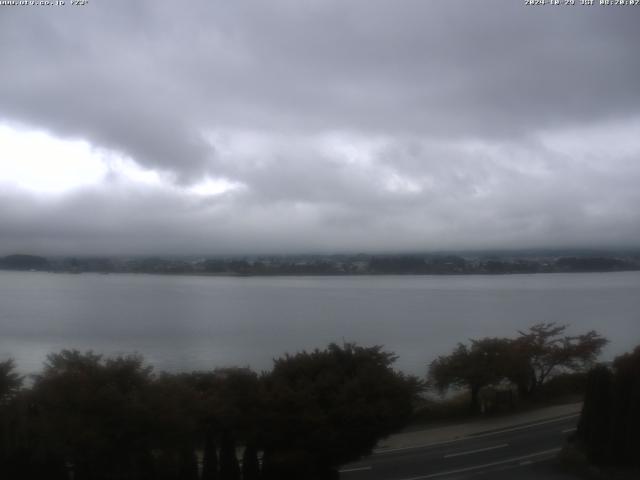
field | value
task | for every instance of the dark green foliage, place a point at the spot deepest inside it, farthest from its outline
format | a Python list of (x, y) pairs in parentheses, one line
[(329, 407), (111, 418), (24, 262), (94, 411), (564, 385), (494, 263), (528, 361), (417, 265), (544, 350), (482, 363), (626, 409), (595, 422), (175, 409), (610, 419), (233, 399), (239, 266), (10, 381), (400, 265), (592, 264), (214, 266), (496, 266), (503, 267), (85, 412)]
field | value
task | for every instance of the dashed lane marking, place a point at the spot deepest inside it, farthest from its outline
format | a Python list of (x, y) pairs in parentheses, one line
[(470, 452), (486, 465), (474, 436), (355, 469)]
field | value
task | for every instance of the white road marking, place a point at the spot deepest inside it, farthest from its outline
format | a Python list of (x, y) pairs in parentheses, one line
[(568, 430), (524, 427), (486, 465), (413, 447), (356, 469), (469, 437), (469, 452)]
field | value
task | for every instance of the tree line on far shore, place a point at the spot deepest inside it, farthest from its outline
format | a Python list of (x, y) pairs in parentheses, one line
[(491, 264)]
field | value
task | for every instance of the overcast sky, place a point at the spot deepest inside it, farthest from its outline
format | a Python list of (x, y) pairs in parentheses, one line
[(227, 127)]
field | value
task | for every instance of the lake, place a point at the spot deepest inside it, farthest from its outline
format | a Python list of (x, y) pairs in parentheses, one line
[(185, 323)]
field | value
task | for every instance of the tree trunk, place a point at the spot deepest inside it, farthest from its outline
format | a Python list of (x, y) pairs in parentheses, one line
[(250, 466), (229, 468), (523, 389), (475, 399), (210, 458)]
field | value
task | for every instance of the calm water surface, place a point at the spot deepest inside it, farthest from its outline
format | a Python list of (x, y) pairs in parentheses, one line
[(184, 323)]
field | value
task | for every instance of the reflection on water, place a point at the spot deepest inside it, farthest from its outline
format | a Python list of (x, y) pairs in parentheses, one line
[(184, 323)]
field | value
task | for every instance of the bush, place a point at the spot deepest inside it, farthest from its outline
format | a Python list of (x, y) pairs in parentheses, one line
[(609, 428), (113, 418)]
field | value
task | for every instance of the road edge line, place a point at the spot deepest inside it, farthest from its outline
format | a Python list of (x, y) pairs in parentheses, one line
[(478, 450), (385, 451), (486, 465)]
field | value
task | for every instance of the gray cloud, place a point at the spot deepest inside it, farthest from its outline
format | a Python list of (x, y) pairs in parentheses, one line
[(454, 124)]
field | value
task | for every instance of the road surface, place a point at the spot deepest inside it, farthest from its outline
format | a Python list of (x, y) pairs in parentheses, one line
[(520, 452)]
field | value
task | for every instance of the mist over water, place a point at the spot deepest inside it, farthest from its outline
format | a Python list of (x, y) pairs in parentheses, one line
[(185, 323)]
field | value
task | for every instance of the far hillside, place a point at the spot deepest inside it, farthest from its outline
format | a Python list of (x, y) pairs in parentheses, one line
[(24, 262), (467, 263)]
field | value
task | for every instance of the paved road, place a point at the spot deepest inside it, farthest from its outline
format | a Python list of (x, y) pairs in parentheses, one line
[(525, 451)]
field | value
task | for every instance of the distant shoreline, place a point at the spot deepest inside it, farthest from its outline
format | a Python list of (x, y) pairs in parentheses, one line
[(329, 265), (363, 274)]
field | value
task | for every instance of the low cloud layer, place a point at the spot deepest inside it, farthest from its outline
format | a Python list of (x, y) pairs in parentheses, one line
[(290, 126)]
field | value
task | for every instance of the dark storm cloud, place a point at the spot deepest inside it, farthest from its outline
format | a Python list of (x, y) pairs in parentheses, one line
[(374, 124), (147, 78)]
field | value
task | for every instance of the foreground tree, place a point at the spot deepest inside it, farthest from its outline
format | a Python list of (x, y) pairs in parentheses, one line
[(10, 381), (609, 426), (93, 413), (544, 350), (95, 418), (595, 421), (482, 363), (626, 409), (229, 411), (328, 407), (527, 361), (10, 384)]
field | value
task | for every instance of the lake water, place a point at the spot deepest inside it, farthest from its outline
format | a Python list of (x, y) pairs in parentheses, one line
[(185, 323)]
